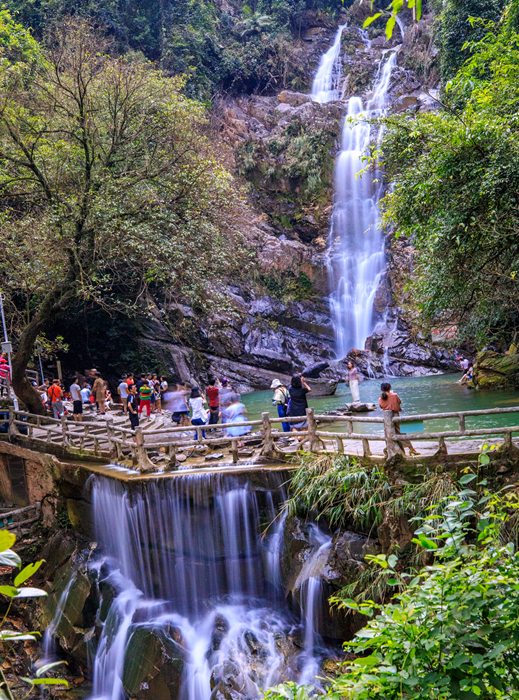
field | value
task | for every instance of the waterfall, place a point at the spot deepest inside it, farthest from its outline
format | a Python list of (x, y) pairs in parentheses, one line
[(185, 559), (327, 82), (356, 260)]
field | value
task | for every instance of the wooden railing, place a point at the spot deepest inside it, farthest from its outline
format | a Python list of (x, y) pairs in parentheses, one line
[(115, 442)]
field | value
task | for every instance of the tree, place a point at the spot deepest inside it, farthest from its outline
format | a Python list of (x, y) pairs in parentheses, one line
[(107, 187), (455, 175)]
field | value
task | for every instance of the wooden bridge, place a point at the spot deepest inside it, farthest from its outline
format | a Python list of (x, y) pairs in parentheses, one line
[(162, 447)]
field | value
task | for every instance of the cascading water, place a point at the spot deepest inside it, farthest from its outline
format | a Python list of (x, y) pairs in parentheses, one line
[(312, 600), (356, 260), (327, 82), (186, 560)]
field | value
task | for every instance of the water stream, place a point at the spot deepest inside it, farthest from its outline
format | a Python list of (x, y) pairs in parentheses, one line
[(356, 260), (185, 559)]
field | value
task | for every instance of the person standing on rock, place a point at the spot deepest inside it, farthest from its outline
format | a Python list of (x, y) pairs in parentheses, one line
[(280, 400), (213, 395), (353, 378), (123, 393), (133, 406), (99, 392), (298, 404), (198, 412), (77, 401), (55, 394), (389, 401)]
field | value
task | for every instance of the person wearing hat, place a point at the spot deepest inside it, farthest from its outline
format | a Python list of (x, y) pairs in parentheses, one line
[(280, 400)]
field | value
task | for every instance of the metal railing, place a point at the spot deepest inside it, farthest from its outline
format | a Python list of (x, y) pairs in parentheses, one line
[(112, 441)]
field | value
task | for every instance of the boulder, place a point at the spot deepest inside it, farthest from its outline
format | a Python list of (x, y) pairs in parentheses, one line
[(494, 370), (153, 663), (294, 99)]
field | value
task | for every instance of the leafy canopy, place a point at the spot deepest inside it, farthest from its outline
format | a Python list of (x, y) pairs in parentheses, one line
[(455, 175)]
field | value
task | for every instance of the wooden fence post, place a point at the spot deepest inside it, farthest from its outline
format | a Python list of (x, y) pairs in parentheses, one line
[(64, 435), (172, 454), (145, 465), (267, 434), (366, 452), (109, 433), (310, 420), (392, 446), (461, 422), (12, 430), (234, 450)]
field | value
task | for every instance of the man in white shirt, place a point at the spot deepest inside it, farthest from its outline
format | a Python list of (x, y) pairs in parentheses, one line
[(77, 401), (465, 364), (123, 393)]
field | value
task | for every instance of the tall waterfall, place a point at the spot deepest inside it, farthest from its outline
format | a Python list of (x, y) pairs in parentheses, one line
[(184, 560), (356, 260)]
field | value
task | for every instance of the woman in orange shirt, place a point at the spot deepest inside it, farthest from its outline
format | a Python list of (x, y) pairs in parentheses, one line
[(389, 401)]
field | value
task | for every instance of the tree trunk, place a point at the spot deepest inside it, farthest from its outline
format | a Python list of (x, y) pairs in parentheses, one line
[(22, 387)]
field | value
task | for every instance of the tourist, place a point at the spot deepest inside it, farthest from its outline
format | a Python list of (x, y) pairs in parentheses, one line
[(4, 375), (225, 398), (298, 404), (99, 393), (467, 377), (85, 393), (55, 394), (158, 396), (175, 401), (280, 400), (213, 394), (145, 394), (90, 376), (77, 401), (198, 412), (389, 401), (464, 364), (163, 386), (353, 378), (236, 414), (44, 387), (130, 380), (123, 393), (133, 406), (140, 382)]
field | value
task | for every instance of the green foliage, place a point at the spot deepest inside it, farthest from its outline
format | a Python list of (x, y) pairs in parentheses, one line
[(10, 558), (455, 196), (454, 631), (109, 187), (390, 13), (287, 286), (454, 29), (215, 48), (344, 491)]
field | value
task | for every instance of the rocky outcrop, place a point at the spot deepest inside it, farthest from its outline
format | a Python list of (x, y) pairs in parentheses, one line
[(494, 370), (153, 663)]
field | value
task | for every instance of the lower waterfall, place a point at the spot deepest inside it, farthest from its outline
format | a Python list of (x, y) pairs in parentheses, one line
[(184, 560)]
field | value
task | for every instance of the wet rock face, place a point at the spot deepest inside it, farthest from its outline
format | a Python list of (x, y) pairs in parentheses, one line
[(335, 566), (153, 664), (494, 370)]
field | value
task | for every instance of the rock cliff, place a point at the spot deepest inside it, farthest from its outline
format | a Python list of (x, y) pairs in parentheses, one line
[(283, 147)]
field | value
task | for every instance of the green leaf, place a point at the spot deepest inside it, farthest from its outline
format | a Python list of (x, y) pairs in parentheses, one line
[(12, 636), (418, 9), (369, 20), (367, 661), (393, 582), (7, 539), (46, 681), (30, 593), (390, 25), (467, 478), (392, 560), (48, 667), (9, 591), (484, 459), (10, 558), (425, 542), (26, 573)]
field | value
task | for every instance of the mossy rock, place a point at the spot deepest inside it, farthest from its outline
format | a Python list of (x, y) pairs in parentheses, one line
[(496, 371), (153, 664)]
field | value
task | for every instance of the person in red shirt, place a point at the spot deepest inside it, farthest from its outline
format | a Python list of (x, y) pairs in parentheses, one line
[(4, 374), (213, 396), (55, 394), (389, 401)]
